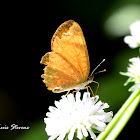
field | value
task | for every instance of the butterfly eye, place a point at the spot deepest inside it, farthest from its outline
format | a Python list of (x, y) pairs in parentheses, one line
[(91, 78)]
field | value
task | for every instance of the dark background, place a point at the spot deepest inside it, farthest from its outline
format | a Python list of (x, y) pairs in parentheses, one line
[(26, 32)]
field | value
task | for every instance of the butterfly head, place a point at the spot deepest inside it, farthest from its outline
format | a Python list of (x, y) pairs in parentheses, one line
[(90, 79)]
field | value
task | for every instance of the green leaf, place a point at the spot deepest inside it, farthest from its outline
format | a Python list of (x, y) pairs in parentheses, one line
[(66, 138), (95, 131), (84, 138)]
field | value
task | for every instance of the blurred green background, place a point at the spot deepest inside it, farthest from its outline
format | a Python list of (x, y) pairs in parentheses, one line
[(27, 29)]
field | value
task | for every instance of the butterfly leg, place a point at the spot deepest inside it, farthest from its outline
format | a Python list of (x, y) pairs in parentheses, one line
[(67, 93), (74, 91), (97, 87), (88, 87), (91, 88)]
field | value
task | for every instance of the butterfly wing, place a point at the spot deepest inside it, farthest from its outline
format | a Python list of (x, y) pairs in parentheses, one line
[(59, 75), (68, 63)]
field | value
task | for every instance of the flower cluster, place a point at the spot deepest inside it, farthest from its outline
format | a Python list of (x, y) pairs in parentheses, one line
[(75, 115), (133, 72), (134, 40)]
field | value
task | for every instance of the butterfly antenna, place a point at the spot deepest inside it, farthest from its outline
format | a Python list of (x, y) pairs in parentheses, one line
[(97, 68), (100, 71)]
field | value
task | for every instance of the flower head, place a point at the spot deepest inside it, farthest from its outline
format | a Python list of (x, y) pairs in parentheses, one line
[(133, 72), (134, 40), (75, 115)]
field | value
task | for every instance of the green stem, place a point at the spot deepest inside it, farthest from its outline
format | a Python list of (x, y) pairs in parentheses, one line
[(119, 114), (123, 120)]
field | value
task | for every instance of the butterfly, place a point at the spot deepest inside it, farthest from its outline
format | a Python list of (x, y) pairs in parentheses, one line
[(67, 65)]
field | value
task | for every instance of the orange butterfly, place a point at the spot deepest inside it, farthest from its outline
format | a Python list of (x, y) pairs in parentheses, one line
[(68, 64)]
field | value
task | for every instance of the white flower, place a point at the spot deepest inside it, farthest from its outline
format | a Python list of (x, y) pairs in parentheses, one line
[(134, 40), (133, 72), (75, 115)]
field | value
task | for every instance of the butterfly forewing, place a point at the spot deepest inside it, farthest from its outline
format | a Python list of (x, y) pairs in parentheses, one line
[(69, 60)]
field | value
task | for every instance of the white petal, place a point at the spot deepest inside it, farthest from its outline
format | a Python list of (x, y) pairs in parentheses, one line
[(48, 114), (52, 137), (77, 96), (131, 41), (104, 116), (94, 99), (46, 120), (135, 29), (134, 87), (98, 123), (86, 97), (57, 104), (133, 59), (70, 98), (84, 131), (61, 137), (63, 101), (79, 133), (98, 117), (108, 116), (99, 105), (101, 129), (50, 130), (52, 109), (93, 136), (71, 134), (60, 104), (63, 97), (104, 105), (87, 124)]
